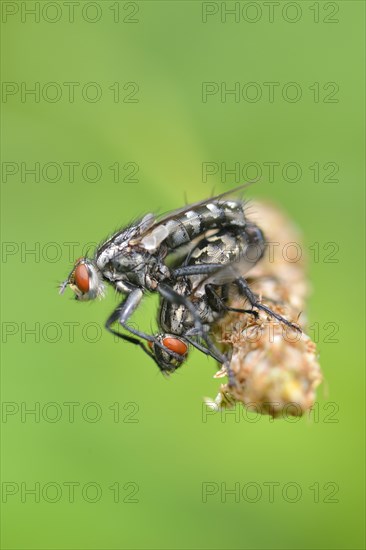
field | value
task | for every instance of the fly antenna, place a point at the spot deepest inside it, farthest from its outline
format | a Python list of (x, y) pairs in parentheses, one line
[(62, 286)]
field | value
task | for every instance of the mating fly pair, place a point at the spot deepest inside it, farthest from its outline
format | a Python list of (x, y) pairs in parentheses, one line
[(218, 244)]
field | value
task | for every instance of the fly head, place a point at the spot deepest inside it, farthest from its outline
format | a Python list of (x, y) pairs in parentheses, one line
[(167, 362), (84, 280)]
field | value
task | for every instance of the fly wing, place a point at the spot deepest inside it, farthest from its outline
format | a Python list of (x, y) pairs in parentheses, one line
[(121, 238), (161, 233)]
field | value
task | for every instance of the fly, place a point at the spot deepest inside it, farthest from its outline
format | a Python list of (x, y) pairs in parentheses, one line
[(204, 282), (133, 261)]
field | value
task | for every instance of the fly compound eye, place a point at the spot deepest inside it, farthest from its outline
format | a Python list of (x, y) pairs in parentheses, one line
[(85, 280), (82, 278), (169, 362), (175, 344)]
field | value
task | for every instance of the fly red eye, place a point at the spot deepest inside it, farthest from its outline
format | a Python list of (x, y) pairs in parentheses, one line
[(176, 345), (81, 276)]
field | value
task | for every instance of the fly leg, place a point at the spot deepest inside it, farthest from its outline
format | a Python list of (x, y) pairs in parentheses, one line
[(231, 378), (254, 302), (217, 303), (201, 269), (173, 297), (122, 313), (197, 345)]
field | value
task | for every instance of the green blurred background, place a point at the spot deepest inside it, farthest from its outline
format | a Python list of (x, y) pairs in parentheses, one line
[(162, 440)]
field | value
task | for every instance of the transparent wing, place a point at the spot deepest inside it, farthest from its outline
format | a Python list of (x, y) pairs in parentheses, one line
[(123, 236), (176, 213)]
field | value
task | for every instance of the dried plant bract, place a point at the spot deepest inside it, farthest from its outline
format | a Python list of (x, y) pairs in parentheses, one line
[(275, 368)]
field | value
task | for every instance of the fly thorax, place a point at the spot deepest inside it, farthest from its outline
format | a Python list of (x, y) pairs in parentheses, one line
[(157, 273), (129, 267)]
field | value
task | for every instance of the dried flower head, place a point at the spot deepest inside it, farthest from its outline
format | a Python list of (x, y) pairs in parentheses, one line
[(275, 368)]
